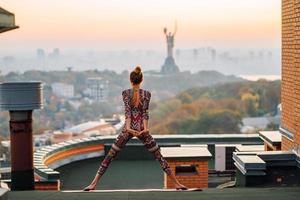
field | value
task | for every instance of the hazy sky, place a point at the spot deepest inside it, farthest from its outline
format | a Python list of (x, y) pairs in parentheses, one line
[(138, 24)]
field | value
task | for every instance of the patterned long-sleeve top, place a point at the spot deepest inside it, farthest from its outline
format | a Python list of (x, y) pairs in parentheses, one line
[(139, 113)]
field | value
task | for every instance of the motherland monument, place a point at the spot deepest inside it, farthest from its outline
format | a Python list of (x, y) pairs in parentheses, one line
[(169, 67)]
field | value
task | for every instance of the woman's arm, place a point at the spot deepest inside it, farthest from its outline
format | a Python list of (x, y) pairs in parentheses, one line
[(145, 122), (127, 112), (145, 114)]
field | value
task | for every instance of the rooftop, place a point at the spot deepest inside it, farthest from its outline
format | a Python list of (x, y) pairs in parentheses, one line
[(283, 193)]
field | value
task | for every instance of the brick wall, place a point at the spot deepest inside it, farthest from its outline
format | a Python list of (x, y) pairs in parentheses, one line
[(269, 147), (290, 89), (192, 181), (286, 143)]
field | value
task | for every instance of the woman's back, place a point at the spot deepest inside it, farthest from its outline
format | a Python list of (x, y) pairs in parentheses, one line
[(136, 113)]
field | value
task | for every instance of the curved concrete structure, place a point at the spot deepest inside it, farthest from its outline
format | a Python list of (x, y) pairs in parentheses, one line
[(49, 158)]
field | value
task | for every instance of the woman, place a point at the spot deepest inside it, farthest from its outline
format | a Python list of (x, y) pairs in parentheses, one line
[(136, 101)]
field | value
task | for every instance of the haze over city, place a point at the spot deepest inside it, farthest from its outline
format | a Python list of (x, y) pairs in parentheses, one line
[(118, 34)]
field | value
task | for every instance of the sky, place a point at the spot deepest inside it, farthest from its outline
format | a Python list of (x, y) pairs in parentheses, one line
[(138, 24)]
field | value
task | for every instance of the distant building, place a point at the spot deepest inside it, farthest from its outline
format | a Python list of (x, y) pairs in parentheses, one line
[(97, 89), (55, 53), (63, 90), (40, 53), (70, 69), (251, 124), (7, 60), (213, 54), (93, 128), (256, 122), (41, 140), (60, 136)]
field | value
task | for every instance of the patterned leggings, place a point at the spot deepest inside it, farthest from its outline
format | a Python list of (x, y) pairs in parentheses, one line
[(121, 141)]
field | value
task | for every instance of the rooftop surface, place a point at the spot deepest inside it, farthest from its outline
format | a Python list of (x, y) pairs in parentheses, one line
[(215, 194)]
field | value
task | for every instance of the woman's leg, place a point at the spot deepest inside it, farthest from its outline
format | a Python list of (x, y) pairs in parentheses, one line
[(118, 144), (152, 147)]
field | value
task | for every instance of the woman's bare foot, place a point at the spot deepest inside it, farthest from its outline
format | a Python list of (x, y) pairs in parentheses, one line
[(93, 184), (90, 187), (179, 186)]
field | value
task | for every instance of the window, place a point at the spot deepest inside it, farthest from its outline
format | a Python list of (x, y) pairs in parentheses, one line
[(188, 170)]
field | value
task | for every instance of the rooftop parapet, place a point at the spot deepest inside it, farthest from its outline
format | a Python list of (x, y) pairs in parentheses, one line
[(272, 140), (7, 21), (266, 168)]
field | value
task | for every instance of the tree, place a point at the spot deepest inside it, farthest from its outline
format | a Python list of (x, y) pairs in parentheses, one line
[(213, 122)]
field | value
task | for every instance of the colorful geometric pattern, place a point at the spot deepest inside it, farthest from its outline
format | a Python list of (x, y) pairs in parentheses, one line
[(137, 115)]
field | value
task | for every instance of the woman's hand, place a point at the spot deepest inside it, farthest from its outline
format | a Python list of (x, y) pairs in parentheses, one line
[(137, 133), (133, 132), (143, 131)]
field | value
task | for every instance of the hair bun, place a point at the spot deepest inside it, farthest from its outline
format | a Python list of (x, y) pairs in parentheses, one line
[(138, 69)]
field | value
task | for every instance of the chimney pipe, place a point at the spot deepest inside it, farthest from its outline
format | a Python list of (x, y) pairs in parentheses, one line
[(20, 99)]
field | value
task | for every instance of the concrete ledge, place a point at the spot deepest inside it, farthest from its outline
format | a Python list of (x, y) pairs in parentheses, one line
[(288, 134), (3, 194), (249, 172), (185, 153), (272, 158), (47, 173), (276, 155), (271, 137), (250, 162), (249, 148), (266, 167)]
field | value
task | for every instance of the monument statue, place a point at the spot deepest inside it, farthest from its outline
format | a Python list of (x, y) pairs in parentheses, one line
[(169, 65), (170, 41)]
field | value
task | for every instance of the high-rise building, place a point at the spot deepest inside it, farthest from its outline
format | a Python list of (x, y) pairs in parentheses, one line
[(98, 89), (63, 90), (55, 53), (40, 53)]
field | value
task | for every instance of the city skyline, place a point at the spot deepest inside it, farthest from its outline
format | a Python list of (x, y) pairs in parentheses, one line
[(130, 24)]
